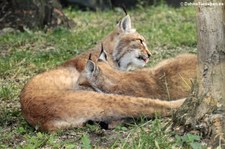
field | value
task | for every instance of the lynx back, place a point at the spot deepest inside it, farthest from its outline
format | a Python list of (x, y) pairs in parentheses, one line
[(170, 79)]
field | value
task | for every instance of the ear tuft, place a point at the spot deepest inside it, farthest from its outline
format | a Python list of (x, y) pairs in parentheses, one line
[(89, 58), (124, 9)]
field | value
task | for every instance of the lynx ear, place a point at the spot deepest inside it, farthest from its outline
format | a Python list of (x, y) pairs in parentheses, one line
[(102, 55), (90, 66), (125, 24)]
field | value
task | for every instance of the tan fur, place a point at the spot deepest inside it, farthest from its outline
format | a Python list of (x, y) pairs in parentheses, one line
[(170, 79), (49, 102)]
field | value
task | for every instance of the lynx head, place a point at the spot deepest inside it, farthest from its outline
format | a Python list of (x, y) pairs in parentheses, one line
[(131, 52), (126, 46), (97, 75)]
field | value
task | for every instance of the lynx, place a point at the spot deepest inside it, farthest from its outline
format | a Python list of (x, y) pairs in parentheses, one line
[(170, 79)]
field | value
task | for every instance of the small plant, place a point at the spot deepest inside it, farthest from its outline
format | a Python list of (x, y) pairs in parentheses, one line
[(5, 93), (148, 135), (39, 140), (189, 140), (86, 143)]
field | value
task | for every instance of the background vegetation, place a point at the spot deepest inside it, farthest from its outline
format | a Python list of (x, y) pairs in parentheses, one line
[(168, 31)]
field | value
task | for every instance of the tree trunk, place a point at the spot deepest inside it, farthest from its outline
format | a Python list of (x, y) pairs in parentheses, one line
[(32, 14), (211, 51), (211, 57), (204, 111)]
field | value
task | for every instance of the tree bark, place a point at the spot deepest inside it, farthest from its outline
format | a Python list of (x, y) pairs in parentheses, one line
[(32, 14), (211, 50), (204, 111)]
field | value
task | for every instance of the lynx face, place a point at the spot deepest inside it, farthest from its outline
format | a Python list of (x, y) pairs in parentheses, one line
[(129, 47), (132, 52), (90, 77), (96, 75)]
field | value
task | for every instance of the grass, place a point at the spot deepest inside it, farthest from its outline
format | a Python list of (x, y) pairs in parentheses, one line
[(169, 32)]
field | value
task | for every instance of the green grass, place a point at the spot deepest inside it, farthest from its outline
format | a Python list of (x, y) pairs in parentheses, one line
[(168, 31)]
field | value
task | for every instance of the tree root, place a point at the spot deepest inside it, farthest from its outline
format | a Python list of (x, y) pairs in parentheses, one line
[(201, 115)]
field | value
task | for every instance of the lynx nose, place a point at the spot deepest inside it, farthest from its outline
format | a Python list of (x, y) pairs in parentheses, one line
[(149, 55)]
